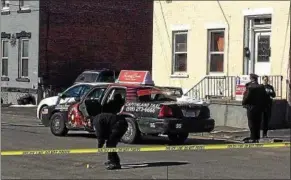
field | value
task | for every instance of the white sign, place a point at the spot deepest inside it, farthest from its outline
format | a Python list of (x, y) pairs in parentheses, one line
[(240, 87)]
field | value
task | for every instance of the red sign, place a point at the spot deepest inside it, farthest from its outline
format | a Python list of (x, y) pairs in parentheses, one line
[(240, 89), (145, 92), (136, 77)]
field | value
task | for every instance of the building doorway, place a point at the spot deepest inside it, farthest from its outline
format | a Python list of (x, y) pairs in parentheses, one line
[(262, 53), (258, 42)]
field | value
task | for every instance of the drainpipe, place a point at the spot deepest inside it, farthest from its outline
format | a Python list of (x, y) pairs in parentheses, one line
[(289, 63), (47, 39), (288, 84), (228, 30)]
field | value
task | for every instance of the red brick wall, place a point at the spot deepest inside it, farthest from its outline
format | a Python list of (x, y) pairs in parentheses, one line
[(89, 34)]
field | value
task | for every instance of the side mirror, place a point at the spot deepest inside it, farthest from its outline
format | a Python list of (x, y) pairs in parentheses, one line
[(77, 99), (62, 96)]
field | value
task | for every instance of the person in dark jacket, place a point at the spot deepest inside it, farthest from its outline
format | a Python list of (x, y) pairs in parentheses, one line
[(268, 110), (110, 128), (115, 105), (254, 100)]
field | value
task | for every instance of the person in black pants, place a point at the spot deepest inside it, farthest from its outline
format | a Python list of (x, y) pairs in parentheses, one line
[(268, 110), (110, 128), (254, 100)]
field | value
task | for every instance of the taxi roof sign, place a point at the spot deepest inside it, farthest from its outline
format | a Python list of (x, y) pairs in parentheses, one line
[(135, 77)]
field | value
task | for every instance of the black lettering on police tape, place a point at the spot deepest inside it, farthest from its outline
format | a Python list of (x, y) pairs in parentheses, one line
[(241, 146), (46, 152), (185, 148), (121, 149)]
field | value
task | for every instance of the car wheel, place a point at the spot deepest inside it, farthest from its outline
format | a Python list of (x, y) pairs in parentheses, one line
[(41, 110), (132, 134), (58, 125), (178, 138)]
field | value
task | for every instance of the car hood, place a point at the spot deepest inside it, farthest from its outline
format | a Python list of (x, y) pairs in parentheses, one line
[(50, 100)]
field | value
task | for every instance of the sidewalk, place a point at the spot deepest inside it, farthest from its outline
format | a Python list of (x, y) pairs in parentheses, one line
[(238, 134)]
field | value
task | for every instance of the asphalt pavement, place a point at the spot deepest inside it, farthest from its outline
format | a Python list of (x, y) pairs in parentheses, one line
[(20, 130)]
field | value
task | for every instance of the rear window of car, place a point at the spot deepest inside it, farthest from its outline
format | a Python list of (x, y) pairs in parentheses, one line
[(87, 77), (152, 94), (173, 91)]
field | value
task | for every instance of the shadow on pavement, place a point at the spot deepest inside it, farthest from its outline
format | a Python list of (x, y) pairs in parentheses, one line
[(152, 164)]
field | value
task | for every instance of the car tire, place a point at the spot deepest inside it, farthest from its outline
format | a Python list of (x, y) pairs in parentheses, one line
[(132, 135), (58, 125), (178, 138), (40, 110)]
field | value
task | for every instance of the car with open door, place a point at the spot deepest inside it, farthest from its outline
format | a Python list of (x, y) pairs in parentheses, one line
[(149, 110), (63, 99)]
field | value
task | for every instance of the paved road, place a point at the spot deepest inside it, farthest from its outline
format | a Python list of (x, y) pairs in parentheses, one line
[(21, 132)]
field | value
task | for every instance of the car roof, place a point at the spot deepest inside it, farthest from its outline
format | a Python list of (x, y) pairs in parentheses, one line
[(129, 85), (96, 71), (93, 83), (170, 87)]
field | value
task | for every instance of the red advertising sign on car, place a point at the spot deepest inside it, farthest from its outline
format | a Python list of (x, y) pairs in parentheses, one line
[(135, 77)]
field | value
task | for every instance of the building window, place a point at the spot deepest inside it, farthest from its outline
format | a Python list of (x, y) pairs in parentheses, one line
[(24, 47), (180, 51), (5, 5), (216, 51), (4, 53)]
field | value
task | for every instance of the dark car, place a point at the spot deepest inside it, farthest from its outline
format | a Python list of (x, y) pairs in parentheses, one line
[(103, 75), (148, 110)]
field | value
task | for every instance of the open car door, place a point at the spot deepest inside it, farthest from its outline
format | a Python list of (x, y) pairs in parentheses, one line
[(91, 104)]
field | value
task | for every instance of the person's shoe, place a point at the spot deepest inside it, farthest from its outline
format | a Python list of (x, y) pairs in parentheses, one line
[(107, 163), (255, 141), (265, 136), (113, 166)]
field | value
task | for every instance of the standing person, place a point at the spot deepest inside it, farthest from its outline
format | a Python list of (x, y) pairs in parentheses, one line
[(254, 100), (110, 128), (268, 110)]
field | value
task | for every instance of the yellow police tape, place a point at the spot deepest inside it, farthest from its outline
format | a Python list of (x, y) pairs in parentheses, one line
[(147, 149)]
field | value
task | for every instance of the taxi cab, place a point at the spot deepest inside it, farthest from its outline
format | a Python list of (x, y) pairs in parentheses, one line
[(148, 109)]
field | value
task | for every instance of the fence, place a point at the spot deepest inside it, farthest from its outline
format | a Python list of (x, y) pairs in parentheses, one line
[(224, 87)]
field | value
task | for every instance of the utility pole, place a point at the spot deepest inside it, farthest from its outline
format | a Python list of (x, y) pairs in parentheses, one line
[(289, 63)]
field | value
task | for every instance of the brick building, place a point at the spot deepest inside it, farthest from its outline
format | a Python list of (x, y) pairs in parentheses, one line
[(78, 35), (75, 35)]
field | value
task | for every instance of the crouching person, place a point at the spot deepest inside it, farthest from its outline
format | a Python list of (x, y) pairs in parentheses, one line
[(110, 128)]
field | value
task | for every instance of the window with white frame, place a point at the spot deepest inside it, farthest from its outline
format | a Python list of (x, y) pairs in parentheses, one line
[(24, 57), (5, 5), (216, 51), (4, 53), (179, 51)]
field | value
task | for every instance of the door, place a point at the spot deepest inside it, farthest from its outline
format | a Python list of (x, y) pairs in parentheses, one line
[(89, 106), (262, 63)]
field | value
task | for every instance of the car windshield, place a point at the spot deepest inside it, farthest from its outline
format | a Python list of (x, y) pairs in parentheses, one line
[(154, 94), (87, 77)]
